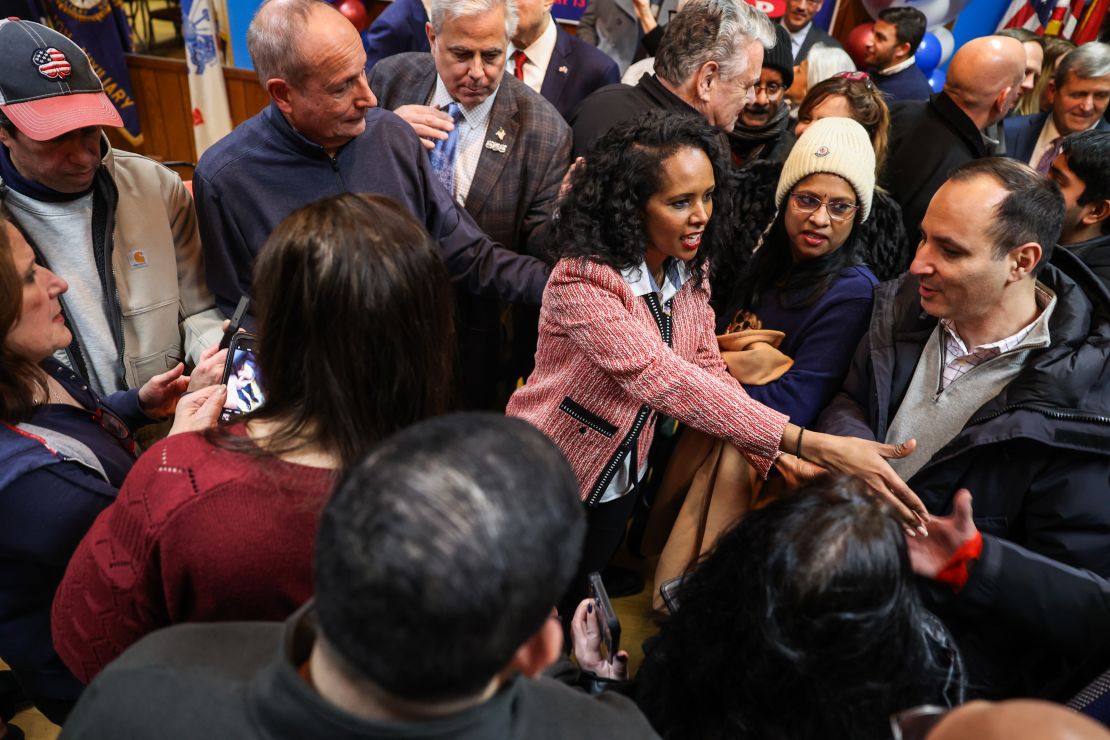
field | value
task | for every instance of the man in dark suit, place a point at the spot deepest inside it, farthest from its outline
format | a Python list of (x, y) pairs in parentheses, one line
[(931, 138), (512, 149), (804, 33), (398, 29), (890, 54), (1080, 91), (560, 67)]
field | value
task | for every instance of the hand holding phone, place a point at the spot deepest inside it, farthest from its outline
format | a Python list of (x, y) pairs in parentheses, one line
[(610, 625)]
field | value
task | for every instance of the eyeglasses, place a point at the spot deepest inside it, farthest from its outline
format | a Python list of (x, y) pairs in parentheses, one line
[(771, 88), (838, 210), (115, 426)]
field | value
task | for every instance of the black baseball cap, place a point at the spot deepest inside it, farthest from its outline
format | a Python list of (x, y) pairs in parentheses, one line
[(48, 87)]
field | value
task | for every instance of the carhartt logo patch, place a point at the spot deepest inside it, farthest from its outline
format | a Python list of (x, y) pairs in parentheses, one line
[(137, 258), (51, 63)]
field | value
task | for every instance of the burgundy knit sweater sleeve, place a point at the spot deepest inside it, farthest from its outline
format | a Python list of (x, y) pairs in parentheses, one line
[(586, 303), (197, 533)]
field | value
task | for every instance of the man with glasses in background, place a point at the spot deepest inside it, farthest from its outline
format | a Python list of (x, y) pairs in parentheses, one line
[(763, 129)]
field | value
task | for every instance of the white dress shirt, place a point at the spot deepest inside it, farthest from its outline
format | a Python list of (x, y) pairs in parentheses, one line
[(539, 56), (797, 38), (472, 137), (896, 68)]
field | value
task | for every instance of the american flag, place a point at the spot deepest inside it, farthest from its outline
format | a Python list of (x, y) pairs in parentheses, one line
[(51, 63), (1076, 20)]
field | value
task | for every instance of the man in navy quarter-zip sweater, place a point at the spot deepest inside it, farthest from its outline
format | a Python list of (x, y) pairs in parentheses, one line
[(323, 134), (991, 352)]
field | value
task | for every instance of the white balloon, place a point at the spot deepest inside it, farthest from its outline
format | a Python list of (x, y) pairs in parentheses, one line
[(947, 43), (935, 11)]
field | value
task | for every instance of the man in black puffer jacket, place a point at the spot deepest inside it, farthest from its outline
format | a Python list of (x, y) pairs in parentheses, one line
[(992, 352)]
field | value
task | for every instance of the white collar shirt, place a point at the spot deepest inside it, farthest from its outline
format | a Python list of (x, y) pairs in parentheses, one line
[(472, 134), (538, 57), (797, 38), (900, 66)]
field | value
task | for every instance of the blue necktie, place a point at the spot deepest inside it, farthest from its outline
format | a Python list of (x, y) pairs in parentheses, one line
[(446, 151)]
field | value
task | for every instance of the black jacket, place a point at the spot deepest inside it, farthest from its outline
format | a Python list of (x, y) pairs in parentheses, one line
[(1095, 254), (1036, 458), (614, 104), (928, 139)]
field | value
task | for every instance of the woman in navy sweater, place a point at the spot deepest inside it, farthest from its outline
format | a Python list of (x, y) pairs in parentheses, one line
[(806, 279), (63, 454)]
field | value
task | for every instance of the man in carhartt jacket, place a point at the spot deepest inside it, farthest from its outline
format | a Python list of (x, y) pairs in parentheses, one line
[(991, 352), (118, 227)]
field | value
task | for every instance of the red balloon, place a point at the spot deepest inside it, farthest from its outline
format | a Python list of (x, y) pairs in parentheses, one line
[(355, 12), (856, 43)]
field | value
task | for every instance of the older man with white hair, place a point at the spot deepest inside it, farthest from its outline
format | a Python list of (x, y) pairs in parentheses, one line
[(322, 135), (498, 147), (709, 59)]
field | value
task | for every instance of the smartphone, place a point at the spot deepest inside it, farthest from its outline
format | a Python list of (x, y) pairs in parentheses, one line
[(242, 378), (236, 321), (610, 625)]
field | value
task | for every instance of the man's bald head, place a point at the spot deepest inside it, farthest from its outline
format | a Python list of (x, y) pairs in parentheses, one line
[(277, 32), (1018, 719), (984, 78)]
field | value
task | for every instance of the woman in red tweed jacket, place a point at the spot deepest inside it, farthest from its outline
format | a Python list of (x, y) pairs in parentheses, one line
[(626, 331)]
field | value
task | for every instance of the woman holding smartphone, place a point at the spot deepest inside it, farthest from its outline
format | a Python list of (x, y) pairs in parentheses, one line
[(354, 342), (64, 452), (626, 332)]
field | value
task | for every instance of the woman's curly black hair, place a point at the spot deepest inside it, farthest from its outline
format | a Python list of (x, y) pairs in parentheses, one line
[(803, 622), (601, 218)]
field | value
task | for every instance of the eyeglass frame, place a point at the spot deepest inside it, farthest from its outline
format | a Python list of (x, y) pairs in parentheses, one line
[(826, 203), (758, 87)]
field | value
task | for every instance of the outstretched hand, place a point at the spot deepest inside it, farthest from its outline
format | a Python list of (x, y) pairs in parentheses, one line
[(928, 556), (867, 460), (585, 634)]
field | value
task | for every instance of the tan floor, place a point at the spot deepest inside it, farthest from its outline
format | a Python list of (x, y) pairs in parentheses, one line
[(637, 618), (33, 724)]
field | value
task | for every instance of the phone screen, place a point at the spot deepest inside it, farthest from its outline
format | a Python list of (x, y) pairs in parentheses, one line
[(244, 392)]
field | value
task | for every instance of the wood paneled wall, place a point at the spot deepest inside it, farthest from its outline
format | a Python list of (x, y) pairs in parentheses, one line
[(165, 115)]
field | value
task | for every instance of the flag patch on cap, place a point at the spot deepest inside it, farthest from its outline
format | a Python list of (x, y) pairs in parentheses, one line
[(51, 63)]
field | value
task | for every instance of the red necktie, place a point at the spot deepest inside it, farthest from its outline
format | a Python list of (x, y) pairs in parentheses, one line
[(518, 55)]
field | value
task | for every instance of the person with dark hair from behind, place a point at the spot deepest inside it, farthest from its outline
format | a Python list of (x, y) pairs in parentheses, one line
[(1082, 170), (993, 351), (803, 622), (220, 526), (438, 562), (890, 54)]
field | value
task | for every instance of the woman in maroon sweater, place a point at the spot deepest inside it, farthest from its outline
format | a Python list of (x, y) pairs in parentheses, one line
[(626, 331), (354, 337)]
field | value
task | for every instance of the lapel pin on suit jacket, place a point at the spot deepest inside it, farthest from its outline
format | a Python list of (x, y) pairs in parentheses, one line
[(563, 70)]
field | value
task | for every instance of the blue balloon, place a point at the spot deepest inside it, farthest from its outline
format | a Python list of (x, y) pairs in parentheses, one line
[(365, 38), (936, 80), (928, 53)]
